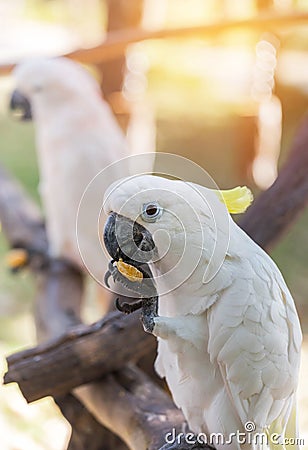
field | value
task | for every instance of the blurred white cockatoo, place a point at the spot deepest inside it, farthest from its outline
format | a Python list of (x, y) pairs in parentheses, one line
[(229, 338), (77, 137)]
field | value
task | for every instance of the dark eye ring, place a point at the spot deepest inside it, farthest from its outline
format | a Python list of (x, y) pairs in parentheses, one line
[(151, 212)]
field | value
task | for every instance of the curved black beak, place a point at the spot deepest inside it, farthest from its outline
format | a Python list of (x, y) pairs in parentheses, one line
[(133, 243), (21, 106), (128, 240)]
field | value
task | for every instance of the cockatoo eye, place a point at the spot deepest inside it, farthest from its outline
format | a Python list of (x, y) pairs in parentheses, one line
[(151, 212)]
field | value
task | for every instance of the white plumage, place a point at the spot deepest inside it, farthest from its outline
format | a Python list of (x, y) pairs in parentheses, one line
[(229, 348), (77, 136)]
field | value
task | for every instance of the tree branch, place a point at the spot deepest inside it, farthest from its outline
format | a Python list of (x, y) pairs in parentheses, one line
[(21, 220), (116, 42), (133, 407), (83, 354), (275, 210)]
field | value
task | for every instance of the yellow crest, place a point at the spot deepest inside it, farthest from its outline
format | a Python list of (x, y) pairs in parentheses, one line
[(237, 199)]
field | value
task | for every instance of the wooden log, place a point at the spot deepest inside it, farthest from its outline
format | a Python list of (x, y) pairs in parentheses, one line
[(87, 432), (133, 407), (83, 354)]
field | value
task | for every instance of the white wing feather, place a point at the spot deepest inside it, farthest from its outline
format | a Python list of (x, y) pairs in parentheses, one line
[(255, 337)]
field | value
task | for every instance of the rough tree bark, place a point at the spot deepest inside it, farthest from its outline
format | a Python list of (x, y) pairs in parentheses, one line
[(137, 409), (86, 353)]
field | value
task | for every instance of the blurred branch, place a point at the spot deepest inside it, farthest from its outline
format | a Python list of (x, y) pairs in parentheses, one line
[(116, 41), (20, 218), (58, 300), (277, 208), (122, 15)]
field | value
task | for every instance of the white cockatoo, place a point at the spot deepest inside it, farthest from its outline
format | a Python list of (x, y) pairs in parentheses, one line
[(228, 333), (77, 136)]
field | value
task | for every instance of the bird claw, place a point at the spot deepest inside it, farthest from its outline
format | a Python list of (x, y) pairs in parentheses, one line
[(128, 308), (145, 288), (110, 273), (148, 303), (149, 312)]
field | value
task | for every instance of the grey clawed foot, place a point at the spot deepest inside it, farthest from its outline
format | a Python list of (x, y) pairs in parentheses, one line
[(149, 312), (128, 308)]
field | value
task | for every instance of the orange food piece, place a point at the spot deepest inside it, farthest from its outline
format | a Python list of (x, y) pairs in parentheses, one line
[(129, 272), (16, 258)]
